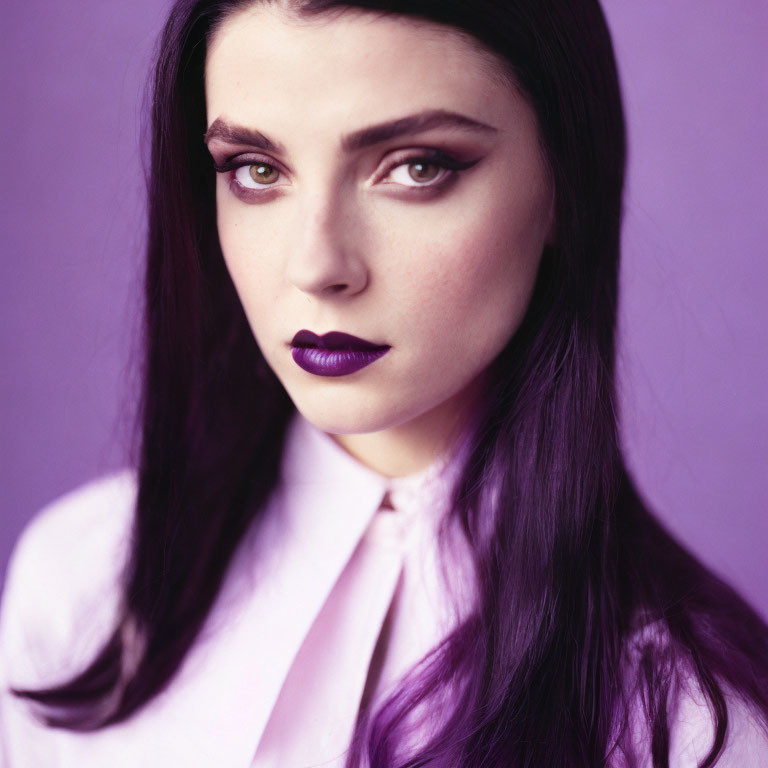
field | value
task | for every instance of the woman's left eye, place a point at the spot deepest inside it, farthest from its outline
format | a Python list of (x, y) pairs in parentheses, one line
[(427, 171), (417, 173)]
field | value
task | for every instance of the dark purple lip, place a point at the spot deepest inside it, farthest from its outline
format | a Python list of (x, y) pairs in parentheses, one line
[(333, 341)]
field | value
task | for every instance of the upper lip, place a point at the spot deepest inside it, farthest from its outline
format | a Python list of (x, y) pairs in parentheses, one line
[(333, 340)]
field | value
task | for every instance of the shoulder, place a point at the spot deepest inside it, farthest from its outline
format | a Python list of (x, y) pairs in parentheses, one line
[(77, 522), (690, 718), (62, 586), (693, 732)]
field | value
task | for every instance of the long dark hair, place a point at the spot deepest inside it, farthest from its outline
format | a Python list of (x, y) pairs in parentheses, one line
[(547, 668)]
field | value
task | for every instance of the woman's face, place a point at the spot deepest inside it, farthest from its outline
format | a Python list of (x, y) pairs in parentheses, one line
[(379, 179)]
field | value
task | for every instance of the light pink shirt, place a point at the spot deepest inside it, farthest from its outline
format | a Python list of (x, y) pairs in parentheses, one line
[(277, 675), (276, 678)]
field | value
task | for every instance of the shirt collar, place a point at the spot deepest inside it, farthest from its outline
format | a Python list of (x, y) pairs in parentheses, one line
[(312, 457)]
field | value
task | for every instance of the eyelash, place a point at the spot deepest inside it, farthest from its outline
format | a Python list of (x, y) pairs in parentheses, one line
[(449, 167)]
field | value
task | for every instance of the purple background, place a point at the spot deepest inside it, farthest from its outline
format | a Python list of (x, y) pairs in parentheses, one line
[(694, 316)]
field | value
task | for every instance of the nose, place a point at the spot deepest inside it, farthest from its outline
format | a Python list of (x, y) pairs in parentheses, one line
[(325, 257)]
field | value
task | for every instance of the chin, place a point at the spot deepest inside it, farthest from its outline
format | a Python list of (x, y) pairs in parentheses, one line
[(345, 421), (347, 417)]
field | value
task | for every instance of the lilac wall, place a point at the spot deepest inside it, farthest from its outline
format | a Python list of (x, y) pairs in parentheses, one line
[(694, 352), (71, 224)]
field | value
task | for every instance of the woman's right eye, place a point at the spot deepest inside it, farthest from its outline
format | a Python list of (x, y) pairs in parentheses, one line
[(250, 175), (256, 175)]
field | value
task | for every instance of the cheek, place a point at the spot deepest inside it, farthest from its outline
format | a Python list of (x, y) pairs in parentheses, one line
[(476, 281), (249, 259)]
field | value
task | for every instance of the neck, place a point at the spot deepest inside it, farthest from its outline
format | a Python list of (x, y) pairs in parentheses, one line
[(413, 445)]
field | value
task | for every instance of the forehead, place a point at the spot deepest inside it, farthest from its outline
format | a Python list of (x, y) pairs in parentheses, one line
[(266, 63)]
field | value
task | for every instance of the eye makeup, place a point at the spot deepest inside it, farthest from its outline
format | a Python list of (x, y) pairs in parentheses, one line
[(401, 184), (245, 185), (247, 168), (238, 161)]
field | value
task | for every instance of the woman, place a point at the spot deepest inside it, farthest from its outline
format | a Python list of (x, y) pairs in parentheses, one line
[(419, 545)]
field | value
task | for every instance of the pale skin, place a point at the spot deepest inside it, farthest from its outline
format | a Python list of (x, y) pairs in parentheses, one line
[(324, 234)]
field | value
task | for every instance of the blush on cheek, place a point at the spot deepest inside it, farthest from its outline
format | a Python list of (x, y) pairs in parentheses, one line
[(471, 258), (486, 279)]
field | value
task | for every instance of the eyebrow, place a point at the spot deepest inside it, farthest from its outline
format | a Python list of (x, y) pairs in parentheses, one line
[(365, 137), (237, 134), (422, 121)]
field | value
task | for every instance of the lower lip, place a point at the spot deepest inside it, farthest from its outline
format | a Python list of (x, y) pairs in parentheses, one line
[(335, 362)]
